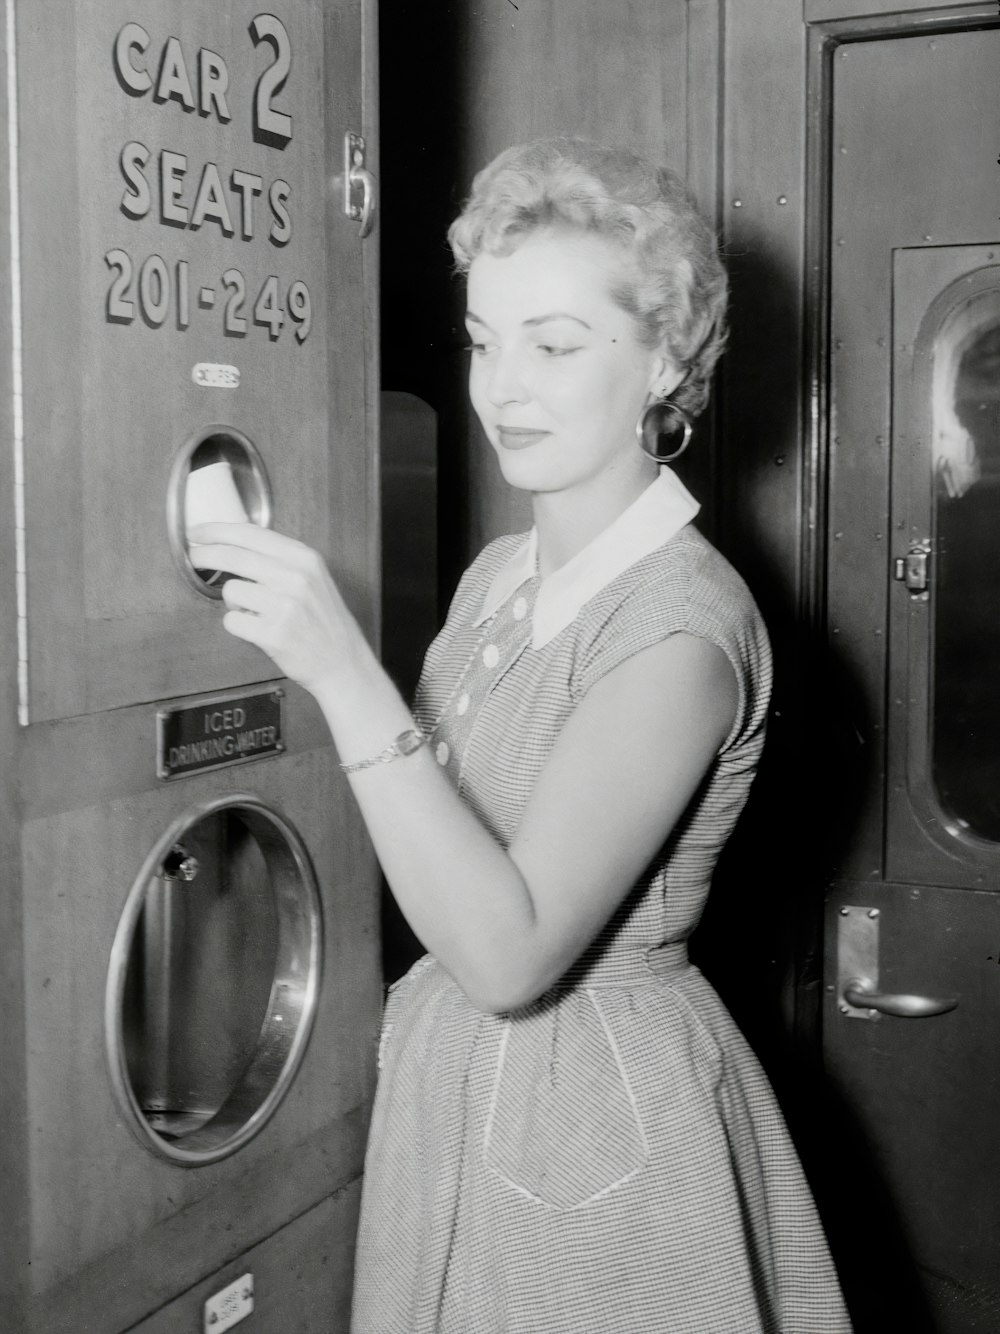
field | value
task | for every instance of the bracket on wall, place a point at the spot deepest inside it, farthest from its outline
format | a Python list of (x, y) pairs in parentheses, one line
[(358, 177)]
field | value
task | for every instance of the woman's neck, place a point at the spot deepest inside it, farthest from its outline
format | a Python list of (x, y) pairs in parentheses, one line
[(567, 521)]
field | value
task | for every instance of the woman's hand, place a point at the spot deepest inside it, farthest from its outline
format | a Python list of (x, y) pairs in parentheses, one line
[(283, 599)]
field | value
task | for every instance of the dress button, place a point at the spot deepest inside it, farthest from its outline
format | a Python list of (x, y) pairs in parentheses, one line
[(491, 655), (462, 706), (442, 752), (520, 609)]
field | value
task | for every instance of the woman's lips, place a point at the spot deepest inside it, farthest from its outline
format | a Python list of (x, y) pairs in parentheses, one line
[(519, 437)]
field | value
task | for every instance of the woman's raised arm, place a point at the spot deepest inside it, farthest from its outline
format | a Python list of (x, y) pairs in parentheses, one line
[(505, 923)]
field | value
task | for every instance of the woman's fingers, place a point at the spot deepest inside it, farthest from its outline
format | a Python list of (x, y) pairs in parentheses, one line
[(288, 571), (258, 554), (258, 615), (244, 625), (282, 598), (234, 560), (244, 548), (250, 536), (244, 595)]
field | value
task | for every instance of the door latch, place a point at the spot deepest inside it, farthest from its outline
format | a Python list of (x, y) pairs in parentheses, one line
[(858, 991), (358, 177), (913, 569)]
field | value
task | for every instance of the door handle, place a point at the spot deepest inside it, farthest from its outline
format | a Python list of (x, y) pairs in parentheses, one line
[(357, 176), (857, 984), (860, 994)]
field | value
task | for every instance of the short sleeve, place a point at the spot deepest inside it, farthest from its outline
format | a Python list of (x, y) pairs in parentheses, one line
[(683, 591)]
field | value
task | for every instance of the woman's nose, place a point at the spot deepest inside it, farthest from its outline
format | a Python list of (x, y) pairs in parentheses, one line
[(506, 381)]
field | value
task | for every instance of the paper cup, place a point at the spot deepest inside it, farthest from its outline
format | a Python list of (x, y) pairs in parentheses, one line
[(210, 496)]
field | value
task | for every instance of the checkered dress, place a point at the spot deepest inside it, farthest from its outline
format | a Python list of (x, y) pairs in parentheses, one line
[(609, 1159)]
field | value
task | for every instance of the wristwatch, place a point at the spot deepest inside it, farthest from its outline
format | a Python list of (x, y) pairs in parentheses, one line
[(405, 744)]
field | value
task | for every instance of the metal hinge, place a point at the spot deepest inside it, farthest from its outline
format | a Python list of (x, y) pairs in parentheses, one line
[(913, 569), (358, 177)]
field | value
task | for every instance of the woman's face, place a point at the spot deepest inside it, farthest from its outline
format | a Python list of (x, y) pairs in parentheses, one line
[(558, 375)]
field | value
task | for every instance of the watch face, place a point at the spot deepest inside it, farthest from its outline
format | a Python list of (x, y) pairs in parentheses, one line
[(409, 742)]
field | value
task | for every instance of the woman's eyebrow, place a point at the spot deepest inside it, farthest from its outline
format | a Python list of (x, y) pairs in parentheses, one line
[(554, 315), (472, 318)]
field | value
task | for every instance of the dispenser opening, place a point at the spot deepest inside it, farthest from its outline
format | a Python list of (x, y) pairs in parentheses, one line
[(218, 476), (213, 980)]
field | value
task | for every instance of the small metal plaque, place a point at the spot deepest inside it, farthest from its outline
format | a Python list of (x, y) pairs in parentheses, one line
[(212, 376), (218, 731)]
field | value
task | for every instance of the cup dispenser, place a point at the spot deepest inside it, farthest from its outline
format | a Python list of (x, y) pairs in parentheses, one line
[(218, 475), (213, 979)]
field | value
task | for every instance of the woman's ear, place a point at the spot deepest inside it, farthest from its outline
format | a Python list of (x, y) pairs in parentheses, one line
[(665, 377)]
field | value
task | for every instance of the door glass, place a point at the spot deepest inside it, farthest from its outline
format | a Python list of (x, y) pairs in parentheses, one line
[(965, 393)]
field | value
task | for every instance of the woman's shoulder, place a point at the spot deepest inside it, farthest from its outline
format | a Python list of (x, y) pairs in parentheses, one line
[(685, 586), (713, 581), (686, 578)]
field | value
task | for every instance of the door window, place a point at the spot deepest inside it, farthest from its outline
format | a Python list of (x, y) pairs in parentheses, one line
[(965, 425), (943, 793)]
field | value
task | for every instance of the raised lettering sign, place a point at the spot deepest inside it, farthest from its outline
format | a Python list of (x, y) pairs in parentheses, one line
[(218, 731), (166, 185)]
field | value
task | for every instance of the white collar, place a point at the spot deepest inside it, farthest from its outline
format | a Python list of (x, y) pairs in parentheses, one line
[(649, 522)]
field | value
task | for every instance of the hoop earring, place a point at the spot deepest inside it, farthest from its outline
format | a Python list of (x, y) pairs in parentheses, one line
[(663, 420)]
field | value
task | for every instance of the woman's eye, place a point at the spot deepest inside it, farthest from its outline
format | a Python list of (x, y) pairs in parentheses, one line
[(478, 349), (555, 349)]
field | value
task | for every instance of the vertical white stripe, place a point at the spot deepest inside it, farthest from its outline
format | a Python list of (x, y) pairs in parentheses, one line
[(17, 380)]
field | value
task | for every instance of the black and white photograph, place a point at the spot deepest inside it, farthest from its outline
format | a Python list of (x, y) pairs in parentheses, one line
[(499, 710)]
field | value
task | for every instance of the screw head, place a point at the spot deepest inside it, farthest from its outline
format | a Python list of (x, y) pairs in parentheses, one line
[(873, 912)]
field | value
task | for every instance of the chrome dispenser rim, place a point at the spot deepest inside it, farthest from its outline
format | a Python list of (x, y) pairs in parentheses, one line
[(294, 993), (260, 506)]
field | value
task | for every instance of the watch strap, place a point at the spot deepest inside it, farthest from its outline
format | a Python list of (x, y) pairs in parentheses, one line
[(405, 744)]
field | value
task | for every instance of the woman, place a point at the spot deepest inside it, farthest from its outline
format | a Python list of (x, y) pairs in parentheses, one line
[(570, 1134)]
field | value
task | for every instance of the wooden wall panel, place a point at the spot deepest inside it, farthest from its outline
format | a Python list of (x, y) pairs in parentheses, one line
[(762, 218), (609, 72), (745, 940), (300, 1260), (102, 428), (14, 1272), (96, 1232), (79, 866), (820, 11)]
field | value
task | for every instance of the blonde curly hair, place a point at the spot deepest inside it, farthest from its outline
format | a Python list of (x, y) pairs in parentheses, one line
[(672, 281)]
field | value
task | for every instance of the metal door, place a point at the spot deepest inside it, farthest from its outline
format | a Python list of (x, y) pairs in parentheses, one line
[(912, 974), (188, 915)]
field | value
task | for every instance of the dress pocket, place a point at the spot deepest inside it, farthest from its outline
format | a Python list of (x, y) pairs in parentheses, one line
[(563, 1125)]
